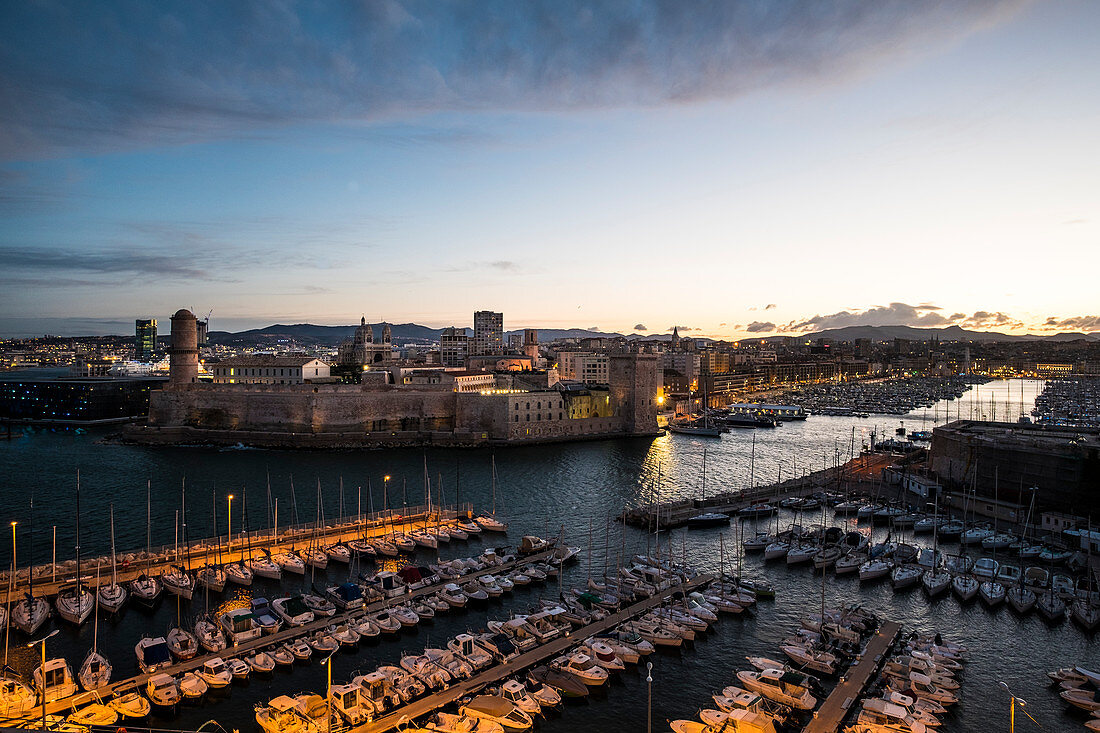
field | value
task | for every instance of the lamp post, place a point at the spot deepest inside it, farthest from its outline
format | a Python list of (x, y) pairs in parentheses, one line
[(1012, 707), (229, 523), (649, 706), (328, 687), (42, 671), (11, 584)]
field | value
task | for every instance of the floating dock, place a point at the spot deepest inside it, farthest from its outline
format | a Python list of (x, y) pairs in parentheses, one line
[(555, 648), (832, 712), (68, 704)]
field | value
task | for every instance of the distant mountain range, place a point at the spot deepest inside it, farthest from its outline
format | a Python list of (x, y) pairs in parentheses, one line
[(950, 333), (413, 333)]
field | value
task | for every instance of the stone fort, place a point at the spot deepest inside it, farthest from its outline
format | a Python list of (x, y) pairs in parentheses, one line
[(375, 415)]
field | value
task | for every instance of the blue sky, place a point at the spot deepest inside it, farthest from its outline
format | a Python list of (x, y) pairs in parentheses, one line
[(732, 168)]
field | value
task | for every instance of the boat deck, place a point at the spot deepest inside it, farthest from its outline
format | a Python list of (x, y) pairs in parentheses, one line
[(539, 654), (831, 714), (267, 641)]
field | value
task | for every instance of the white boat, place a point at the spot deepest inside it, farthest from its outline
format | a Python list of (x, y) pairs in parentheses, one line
[(1085, 614), (321, 643), (450, 723), (240, 669), (29, 614), (880, 714), (239, 573), (818, 661), (215, 673), (466, 647), (146, 589), (152, 654), (288, 562), (130, 704), (263, 616), (163, 691), (338, 553), (965, 587), (935, 582), (209, 636), (280, 715), (293, 611), (16, 698), (182, 643), (321, 607), (57, 683), (239, 625), (349, 702), (497, 710), (75, 604), (603, 654), (95, 671), (1021, 599), (905, 576), (265, 567), (992, 593), (1051, 607), (212, 578), (779, 686), (385, 621), (263, 662), (985, 567), (583, 667), (874, 569), (95, 714)]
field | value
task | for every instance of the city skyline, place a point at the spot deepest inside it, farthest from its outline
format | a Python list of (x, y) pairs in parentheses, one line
[(735, 173)]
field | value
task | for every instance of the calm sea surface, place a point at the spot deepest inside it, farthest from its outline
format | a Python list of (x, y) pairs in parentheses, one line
[(571, 488)]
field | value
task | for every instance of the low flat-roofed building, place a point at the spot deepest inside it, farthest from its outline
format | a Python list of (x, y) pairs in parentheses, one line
[(269, 369)]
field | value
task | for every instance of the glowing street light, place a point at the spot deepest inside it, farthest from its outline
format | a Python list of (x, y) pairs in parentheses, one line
[(1012, 707), (42, 669)]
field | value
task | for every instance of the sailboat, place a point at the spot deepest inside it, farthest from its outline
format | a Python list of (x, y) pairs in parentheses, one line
[(145, 588), (490, 523), (1084, 609), (178, 579), (112, 597), (75, 604), (95, 672), (694, 428), (240, 572), (29, 613), (213, 577), (707, 519), (935, 579)]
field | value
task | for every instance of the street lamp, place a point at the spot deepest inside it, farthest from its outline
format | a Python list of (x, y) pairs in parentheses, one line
[(11, 582), (229, 523), (649, 706), (1012, 707), (328, 687), (42, 669)]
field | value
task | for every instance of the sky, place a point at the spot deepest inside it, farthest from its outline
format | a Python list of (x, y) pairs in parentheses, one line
[(731, 168)]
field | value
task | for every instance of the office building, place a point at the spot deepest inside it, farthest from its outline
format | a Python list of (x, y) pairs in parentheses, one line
[(488, 334), (145, 339), (453, 347)]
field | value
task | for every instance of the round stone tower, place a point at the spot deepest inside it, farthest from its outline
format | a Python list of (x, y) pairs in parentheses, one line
[(184, 353)]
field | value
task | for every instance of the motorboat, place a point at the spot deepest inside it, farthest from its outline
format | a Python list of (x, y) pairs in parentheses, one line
[(603, 654), (975, 535), (16, 698), (263, 616), (456, 666), (163, 692), (366, 628), (423, 668), (300, 649), (498, 710), (756, 511), (514, 692), (282, 655), (350, 703), (565, 683), (280, 715), (779, 686), (215, 673), (998, 541), (240, 669), (293, 611), (240, 625), (152, 654), (849, 563), (405, 616), (385, 621), (192, 686), (1082, 697), (95, 714), (806, 658), (1008, 574), (451, 723), (499, 646), (321, 606), (321, 642), (489, 523), (880, 714), (263, 662), (54, 680), (466, 647), (130, 704), (985, 567), (344, 635), (708, 519), (346, 596)]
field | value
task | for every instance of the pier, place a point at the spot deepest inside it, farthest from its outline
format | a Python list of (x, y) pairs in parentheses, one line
[(266, 641), (96, 571), (860, 473), (832, 712), (557, 647)]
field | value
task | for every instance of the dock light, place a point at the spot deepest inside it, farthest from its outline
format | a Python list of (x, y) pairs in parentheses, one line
[(229, 522), (1012, 707), (649, 707), (42, 641)]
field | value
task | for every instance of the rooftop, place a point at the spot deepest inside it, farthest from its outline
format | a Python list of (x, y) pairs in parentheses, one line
[(265, 360)]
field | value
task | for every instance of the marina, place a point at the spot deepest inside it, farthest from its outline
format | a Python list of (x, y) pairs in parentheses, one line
[(582, 485), (828, 717)]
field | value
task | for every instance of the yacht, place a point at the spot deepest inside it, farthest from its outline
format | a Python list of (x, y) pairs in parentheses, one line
[(57, 682), (163, 692), (498, 710), (152, 654), (240, 626), (779, 686), (263, 616), (293, 611)]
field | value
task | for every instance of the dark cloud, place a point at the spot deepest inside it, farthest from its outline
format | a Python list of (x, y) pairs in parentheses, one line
[(895, 314), (957, 316), (103, 261), (769, 306), (760, 327), (1088, 324), (640, 327), (680, 329), (89, 77), (986, 319)]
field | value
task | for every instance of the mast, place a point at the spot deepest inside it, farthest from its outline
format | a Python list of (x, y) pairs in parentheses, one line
[(114, 576), (77, 539), (148, 525), (704, 475), (494, 467), (294, 500)]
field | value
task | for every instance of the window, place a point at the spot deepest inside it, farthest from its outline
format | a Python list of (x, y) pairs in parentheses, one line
[(528, 405), (538, 417), (528, 419), (515, 419), (517, 405)]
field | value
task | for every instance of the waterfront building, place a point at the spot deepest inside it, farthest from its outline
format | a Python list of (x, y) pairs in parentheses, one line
[(269, 369), (488, 334), (1007, 459), (145, 339), (584, 366), (74, 401), (531, 344), (453, 347), (184, 351)]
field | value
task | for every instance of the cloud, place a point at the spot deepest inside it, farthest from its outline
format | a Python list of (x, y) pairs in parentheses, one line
[(680, 329), (769, 306), (640, 327), (94, 77), (986, 319), (114, 261), (1088, 324), (760, 327), (895, 314)]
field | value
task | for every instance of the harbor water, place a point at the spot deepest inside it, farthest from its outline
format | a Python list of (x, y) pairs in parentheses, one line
[(574, 490)]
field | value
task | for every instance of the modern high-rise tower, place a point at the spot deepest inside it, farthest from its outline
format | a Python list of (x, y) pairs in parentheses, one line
[(145, 339), (488, 334)]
